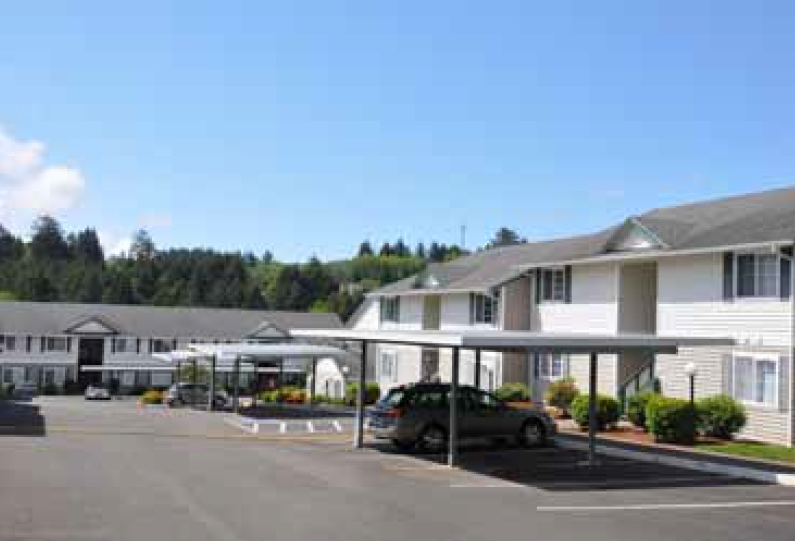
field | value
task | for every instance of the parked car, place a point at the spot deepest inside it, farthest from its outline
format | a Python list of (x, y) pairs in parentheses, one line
[(97, 392), (418, 416), (181, 394)]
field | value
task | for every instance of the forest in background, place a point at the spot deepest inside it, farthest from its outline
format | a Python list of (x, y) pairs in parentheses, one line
[(58, 266)]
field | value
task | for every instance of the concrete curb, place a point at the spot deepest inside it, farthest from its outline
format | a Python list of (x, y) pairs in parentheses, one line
[(754, 474)]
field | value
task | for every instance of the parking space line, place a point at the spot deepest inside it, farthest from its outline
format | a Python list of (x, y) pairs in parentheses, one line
[(337, 426), (310, 427), (665, 506), (282, 428)]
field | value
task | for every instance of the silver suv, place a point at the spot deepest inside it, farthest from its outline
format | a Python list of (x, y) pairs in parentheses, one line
[(417, 416)]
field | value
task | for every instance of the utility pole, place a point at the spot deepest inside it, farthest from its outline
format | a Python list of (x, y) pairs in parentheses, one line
[(463, 235)]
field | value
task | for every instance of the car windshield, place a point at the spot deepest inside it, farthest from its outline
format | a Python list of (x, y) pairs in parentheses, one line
[(392, 399)]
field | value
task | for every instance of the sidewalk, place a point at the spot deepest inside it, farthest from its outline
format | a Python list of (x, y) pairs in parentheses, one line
[(571, 437)]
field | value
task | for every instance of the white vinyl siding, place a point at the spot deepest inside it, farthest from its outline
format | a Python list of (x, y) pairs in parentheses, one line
[(691, 303)]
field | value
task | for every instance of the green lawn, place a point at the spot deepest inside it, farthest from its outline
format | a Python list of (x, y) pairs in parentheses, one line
[(751, 449)]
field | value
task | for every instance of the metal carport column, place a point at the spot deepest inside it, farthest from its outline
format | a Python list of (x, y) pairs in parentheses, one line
[(358, 436), (452, 438)]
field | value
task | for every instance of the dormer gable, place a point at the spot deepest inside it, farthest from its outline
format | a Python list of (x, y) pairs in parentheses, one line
[(267, 331), (91, 325), (633, 236)]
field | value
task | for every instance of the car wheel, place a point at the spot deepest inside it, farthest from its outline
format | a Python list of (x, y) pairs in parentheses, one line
[(433, 439), (533, 434), (404, 446)]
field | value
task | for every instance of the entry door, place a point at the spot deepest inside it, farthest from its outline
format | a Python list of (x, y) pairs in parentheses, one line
[(429, 367), (90, 353)]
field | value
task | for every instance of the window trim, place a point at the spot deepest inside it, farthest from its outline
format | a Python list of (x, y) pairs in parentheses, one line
[(547, 359), (50, 340), (736, 275), (554, 271), (755, 358), (392, 357), (479, 302), (390, 309)]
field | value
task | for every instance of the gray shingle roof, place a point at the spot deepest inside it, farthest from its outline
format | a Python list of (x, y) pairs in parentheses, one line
[(758, 217), (154, 321)]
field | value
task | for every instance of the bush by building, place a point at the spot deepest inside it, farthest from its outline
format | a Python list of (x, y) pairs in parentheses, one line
[(151, 396), (513, 392), (607, 410), (720, 416), (560, 394), (372, 392), (670, 420), (636, 408)]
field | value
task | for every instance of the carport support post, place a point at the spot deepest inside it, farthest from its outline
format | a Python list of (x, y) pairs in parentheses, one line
[(281, 381), (194, 380), (477, 369), (358, 436), (452, 451), (236, 389), (592, 415), (176, 374), (211, 397), (314, 383), (254, 384)]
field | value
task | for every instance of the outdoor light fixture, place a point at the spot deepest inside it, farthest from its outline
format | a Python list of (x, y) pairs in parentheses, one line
[(691, 370)]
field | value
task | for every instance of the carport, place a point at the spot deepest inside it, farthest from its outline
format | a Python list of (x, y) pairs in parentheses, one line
[(508, 341), (232, 357)]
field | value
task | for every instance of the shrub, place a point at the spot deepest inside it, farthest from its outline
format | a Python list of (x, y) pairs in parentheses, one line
[(720, 416), (50, 389), (513, 392), (606, 411), (560, 394), (71, 387), (269, 396), (372, 392), (152, 396), (670, 420), (636, 408)]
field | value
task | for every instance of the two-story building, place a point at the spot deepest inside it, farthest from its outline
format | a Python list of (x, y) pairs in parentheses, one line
[(720, 268), (55, 343)]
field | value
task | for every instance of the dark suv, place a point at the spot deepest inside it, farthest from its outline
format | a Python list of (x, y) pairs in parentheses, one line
[(418, 416)]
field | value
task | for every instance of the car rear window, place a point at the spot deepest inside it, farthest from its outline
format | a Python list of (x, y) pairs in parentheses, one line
[(393, 398)]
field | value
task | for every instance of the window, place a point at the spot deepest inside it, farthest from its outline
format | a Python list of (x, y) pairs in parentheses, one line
[(56, 343), (755, 379), (160, 345), (551, 366), (121, 345), (388, 366), (757, 275), (9, 343), (8, 376), (390, 309), (553, 285), (484, 309)]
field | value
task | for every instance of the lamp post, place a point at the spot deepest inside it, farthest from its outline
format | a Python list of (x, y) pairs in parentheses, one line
[(691, 370)]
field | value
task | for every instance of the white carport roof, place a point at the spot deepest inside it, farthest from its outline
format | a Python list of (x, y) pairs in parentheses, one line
[(267, 351), (498, 340)]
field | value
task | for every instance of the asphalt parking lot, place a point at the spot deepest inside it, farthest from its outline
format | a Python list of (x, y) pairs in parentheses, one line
[(71, 470)]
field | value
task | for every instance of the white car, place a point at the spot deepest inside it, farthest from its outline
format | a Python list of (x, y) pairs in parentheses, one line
[(97, 392)]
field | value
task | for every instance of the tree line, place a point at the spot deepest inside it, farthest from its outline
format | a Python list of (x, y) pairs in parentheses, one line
[(57, 266)]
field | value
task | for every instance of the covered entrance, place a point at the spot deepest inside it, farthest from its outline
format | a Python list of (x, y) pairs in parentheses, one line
[(90, 352)]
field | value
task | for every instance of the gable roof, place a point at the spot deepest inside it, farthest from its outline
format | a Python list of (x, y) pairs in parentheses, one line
[(42, 318), (732, 221)]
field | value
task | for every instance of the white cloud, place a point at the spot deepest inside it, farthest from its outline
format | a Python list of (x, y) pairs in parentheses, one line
[(114, 244), (27, 183)]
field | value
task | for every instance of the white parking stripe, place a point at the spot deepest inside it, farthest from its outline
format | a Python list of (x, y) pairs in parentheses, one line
[(337, 426), (282, 428), (663, 506), (310, 427)]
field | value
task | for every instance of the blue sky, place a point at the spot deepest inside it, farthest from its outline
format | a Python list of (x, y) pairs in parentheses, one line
[(305, 127)]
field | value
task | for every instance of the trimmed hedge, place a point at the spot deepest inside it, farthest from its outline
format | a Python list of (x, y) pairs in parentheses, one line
[(607, 409), (670, 420), (372, 392), (513, 392), (560, 394), (636, 408), (720, 416)]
